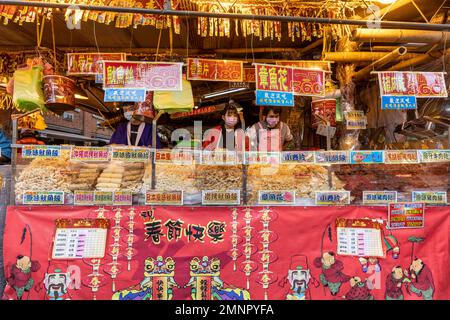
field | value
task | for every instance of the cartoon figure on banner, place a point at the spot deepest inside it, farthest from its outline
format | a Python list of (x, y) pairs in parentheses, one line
[(358, 291), (299, 277), (56, 283), (331, 275), (20, 277), (422, 283), (371, 263), (206, 284), (158, 282), (394, 282)]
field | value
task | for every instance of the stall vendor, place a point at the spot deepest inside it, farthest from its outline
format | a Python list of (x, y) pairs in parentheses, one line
[(134, 132), (271, 134), (228, 135), (5, 148)]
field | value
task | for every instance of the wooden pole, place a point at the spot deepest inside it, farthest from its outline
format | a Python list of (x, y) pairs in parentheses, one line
[(422, 59), (363, 73), (399, 36), (351, 57)]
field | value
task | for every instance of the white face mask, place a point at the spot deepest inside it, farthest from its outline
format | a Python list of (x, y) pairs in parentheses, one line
[(128, 115)]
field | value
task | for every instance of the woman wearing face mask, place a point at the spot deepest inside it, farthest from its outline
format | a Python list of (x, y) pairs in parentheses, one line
[(134, 132), (228, 135), (271, 134)]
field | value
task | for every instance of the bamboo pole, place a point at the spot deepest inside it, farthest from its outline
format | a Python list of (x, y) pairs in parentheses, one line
[(422, 59), (360, 56), (399, 36), (395, 54)]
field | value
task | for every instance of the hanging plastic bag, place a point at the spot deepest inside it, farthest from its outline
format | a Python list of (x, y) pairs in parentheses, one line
[(175, 101), (28, 94)]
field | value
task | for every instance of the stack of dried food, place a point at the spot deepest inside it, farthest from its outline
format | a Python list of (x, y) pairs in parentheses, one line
[(132, 177), (111, 177), (44, 175), (304, 179), (218, 177), (175, 177), (84, 176)]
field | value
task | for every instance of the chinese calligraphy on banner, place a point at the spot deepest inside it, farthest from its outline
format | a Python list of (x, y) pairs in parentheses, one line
[(215, 70), (306, 64), (151, 76), (289, 80), (90, 63), (419, 84)]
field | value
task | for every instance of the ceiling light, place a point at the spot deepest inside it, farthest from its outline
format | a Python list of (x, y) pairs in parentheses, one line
[(222, 93), (386, 1)]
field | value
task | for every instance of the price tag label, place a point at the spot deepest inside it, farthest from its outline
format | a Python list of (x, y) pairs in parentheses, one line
[(171, 198), (43, 197), (284, 197), (215, 197)]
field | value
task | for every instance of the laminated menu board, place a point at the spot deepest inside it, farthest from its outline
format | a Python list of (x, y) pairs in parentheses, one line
[(359, 237), (80, 238)]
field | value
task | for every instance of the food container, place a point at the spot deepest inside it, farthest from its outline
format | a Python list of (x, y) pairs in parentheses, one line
[(59, 93)]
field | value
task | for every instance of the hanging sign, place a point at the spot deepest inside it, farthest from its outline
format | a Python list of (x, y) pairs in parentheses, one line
[(434, 197), (427, 156), (332, 157), (357, 157), (401, 156), (38, 151), (326, 109), (379, 197), (219, 157), (330, 198), (130, 154), (359, 237), (269, 98), (406, 215), (80, 238), (124, 95), (355, 120), (273, 78), (306, 64), (296, 157), (284, 197), (90, 63), (151, 76), (83, 198), (169, 198), (89, 154), (215, 70), (43, 197), (419, 84), (216, 197), (308, 82), (398, 102)]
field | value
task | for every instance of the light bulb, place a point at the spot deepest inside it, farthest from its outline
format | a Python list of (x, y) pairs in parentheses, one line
[(386, 1)]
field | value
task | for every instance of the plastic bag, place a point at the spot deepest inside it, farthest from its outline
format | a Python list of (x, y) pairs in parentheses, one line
[(175, 101), (28, 94)]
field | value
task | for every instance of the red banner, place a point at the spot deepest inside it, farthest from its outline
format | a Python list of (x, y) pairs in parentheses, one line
[(152, 76), (326, 108), (303, 82), (224, 253), (90, 63), (215, 70), (249, 75), (419, 84)]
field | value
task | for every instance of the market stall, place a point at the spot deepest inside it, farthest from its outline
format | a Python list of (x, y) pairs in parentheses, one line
[(335, 184)]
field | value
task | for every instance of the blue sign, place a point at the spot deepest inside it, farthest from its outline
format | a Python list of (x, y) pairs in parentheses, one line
[(99, 78), (398, 102), (366, 157), (124, 95), (270, 98)]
